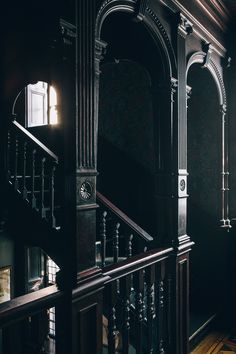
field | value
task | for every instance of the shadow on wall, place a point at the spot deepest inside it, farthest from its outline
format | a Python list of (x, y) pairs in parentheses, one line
[(126, 143), (208, 259)]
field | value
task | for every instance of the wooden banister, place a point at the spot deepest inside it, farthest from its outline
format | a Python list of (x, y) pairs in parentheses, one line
[(122, 216), (136, 263), (29, 304), (34, 140)]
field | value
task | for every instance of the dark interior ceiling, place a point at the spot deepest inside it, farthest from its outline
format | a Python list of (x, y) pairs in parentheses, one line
[(230, 5)]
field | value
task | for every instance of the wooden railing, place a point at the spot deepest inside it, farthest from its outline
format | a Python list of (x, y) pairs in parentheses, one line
[(119, 237), (24, 321), (31, 171), (137, 304), (27, 305)]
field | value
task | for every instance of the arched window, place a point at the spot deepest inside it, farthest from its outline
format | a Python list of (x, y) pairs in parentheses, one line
[(41, 105)]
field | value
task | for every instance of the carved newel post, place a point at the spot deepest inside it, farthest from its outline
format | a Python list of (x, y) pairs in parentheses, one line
[(79, 318)]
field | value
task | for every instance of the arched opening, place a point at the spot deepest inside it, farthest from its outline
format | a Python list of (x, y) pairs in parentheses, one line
[(129, 118), (208, 257)]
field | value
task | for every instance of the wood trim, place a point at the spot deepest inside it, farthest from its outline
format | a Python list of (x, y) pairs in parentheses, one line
[(142, 233)]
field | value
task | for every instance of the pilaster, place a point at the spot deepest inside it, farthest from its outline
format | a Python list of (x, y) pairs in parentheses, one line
[(180, 167)]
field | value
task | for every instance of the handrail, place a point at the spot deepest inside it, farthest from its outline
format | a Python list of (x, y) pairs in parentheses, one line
[(35, 140), (136, 263), (141, 232), (29, 304)]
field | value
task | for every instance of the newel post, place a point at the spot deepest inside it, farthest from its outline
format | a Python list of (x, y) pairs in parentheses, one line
[(82, 279)]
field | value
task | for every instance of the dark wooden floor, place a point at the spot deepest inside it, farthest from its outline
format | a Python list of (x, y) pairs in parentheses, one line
[(217, 342)]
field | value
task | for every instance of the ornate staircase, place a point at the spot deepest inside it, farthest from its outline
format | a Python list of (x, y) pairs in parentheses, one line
[(35, 184), (136, 297)]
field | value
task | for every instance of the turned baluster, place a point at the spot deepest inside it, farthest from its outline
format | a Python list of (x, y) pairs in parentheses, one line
[(24, 189), (42, 189), (130, 246), (52, 196), (33, 199), (169, 315), (139, 309), (111, 299), (125, 289), (16, 163), (103, 238), (116, 243), (150, 284), (160, 307)]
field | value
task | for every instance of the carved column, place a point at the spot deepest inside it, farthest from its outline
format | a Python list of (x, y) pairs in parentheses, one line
[(181, 241), (184, 29), (85, 136), (80, 129), (79, 317)]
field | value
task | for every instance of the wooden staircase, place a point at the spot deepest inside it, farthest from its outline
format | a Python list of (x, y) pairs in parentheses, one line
[(137, 303), (35, 186), (32, 171)]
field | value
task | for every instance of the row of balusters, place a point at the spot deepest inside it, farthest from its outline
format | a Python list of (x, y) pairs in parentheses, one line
[(32, 173), (116, 240), (138, 309)]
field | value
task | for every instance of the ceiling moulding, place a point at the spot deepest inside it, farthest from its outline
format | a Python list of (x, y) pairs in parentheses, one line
[(216, 11), (194, 13)]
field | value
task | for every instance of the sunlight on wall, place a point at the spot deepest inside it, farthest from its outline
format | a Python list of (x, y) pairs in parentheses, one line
[(53, 114)]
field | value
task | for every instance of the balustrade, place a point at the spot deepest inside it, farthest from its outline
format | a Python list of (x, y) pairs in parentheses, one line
[(120, 237), (32, 170), (137, 309)]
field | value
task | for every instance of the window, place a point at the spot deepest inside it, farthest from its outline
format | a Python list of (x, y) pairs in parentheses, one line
[(41, 105), (52, 270)]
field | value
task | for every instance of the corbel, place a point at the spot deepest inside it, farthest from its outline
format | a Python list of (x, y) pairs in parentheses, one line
[(173, 87), (208, 49), (226, 62), (185, 27), (188, 93)]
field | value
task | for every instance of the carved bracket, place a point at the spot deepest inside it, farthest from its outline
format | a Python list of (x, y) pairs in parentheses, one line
[(208, 49), (188, 93), (173, 87), (185, 27)]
